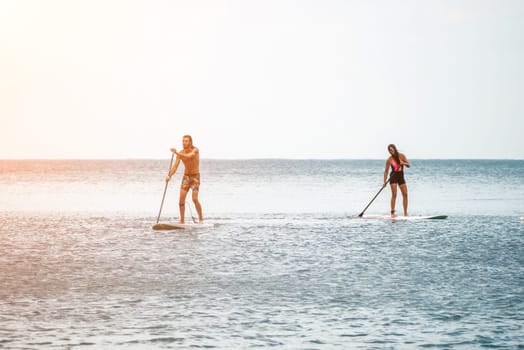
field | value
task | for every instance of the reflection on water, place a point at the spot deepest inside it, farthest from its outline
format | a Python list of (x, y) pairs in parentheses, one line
[(261, 186), (287, 265), (299, 281)]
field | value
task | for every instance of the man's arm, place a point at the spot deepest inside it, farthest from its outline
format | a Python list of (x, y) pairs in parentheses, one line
[(172, 171), (189, 155)]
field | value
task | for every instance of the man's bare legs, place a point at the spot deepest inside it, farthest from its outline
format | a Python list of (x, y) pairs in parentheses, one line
[(182, 205), (198, 206)]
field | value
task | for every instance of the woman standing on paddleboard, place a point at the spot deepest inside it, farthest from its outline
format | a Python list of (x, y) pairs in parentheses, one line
[(396, 162)]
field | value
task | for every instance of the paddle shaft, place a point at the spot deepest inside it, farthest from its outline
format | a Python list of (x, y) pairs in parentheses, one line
[(165, 189), (367, 206)]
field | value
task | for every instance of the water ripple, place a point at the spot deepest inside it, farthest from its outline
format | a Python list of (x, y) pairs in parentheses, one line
[(288, 281)]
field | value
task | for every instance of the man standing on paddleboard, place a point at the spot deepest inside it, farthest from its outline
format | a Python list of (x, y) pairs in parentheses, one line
[(191, 179), (396, 162)]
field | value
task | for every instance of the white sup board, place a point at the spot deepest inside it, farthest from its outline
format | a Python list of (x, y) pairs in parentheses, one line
[(522, 218), (406, 218), (176, 226)]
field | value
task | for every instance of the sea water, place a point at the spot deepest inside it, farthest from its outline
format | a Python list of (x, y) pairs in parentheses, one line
[(288, 264)]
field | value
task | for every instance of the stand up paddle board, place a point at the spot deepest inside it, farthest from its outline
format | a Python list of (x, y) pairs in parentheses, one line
[(406, 218), (175, 226), (522, 218)]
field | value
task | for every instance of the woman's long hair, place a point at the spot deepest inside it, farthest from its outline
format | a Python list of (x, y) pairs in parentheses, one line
[(395, 154)]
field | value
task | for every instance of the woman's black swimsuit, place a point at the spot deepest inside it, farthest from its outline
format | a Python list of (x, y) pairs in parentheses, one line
[(397, 177)]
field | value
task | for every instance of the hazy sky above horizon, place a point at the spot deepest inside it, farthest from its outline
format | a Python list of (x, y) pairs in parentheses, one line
[(256, 79)]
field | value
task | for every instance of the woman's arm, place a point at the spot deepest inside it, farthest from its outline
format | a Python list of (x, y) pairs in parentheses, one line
[(388, 164), (403, 160)]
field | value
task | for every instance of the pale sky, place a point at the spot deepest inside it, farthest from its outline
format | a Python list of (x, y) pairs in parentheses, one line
[(262, 79)]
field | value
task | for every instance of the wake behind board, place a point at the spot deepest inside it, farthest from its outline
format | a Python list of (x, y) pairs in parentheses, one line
[(176, 226), (406, 218)]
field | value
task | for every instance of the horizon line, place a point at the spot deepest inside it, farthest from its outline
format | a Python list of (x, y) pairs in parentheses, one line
[(240, 159)]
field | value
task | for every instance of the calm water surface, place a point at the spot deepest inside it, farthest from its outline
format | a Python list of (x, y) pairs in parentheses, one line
[(286, 266)]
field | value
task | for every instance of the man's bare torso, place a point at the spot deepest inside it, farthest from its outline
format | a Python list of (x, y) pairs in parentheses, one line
[(191, 165)]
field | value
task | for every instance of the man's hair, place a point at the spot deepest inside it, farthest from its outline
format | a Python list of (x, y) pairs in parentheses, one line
[(190, 139)]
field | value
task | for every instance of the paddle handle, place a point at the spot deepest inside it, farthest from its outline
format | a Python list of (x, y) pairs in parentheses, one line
[(165, 189), (367, 206)]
